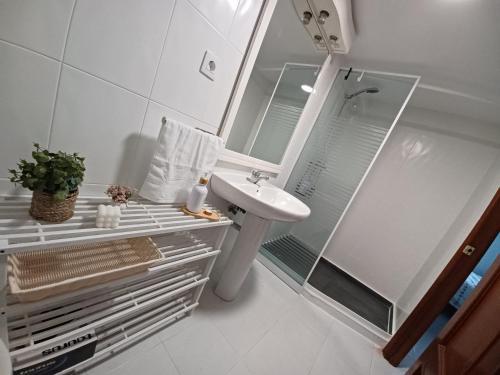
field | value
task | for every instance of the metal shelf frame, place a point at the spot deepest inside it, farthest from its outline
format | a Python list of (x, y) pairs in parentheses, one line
[(121, 311)]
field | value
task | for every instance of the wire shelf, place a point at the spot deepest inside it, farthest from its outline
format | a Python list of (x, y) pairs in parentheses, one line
[(102, 312), (19, 232), (178, 251), (115, 313)]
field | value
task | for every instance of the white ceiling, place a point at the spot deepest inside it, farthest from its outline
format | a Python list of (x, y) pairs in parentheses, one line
[(453, 44)]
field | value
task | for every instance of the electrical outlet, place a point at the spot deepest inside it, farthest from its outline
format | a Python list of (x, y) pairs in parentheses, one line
[(209, 65)]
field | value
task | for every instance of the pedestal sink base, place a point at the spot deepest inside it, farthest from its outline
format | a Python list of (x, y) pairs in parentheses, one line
[(263, 204), (240, 260)]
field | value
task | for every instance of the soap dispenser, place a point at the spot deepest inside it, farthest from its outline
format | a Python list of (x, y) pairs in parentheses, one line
[(197, 196)]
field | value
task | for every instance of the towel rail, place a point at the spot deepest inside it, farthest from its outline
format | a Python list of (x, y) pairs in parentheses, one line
[(164, 121)]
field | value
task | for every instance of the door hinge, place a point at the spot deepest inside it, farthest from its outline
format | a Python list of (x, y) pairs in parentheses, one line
[(468, 250)]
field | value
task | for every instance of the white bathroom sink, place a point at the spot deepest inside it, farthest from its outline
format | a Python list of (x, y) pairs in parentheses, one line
[(263, 204), (266, 201)]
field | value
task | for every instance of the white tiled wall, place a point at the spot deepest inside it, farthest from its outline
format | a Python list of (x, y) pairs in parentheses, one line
[(28, 84), (207, 99), (119, 41), (96, 118), (96, 77), (38, 25)]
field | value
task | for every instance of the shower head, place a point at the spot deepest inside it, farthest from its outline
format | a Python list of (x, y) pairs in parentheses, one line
[(368, 90)]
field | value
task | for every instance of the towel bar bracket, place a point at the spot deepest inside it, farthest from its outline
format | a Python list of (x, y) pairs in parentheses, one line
[(164, 121)]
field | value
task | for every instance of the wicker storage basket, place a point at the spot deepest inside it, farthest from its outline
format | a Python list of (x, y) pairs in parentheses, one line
[(45, 207), (40, 274)]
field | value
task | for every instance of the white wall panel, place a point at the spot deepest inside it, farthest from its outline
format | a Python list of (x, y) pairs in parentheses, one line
[(179, 84), (119, 40), (100, 121), (411, 197), (28, 83), (244, 22), (453, 238), (219, 13), (40, 25)]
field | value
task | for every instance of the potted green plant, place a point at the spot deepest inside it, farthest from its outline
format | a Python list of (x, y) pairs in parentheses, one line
[(54, 179)]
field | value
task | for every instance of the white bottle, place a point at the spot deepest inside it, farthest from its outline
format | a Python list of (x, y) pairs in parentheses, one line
[(197, 196)]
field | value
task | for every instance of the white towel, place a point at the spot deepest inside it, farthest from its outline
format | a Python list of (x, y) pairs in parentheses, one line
[(183, 155)]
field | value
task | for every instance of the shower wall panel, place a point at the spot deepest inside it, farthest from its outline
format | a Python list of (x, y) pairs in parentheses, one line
[(416, 189)]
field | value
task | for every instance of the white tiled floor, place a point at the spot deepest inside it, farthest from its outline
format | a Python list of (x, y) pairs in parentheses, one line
[(267, 330)]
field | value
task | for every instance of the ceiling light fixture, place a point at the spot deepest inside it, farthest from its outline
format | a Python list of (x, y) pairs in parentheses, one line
[(307, 88)]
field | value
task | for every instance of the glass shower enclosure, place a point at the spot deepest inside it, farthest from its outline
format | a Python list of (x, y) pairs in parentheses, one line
[(357, 116), (283, 111), (270, 109)]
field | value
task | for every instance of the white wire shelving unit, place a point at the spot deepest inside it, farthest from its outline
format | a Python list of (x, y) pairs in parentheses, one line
[(99, 320)]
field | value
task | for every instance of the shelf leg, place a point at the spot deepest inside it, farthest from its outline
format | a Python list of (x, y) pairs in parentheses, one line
[(3, 300), (210, 264)]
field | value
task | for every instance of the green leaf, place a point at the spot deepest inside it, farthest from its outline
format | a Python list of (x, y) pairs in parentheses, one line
[(31, 182), (40, 157), (40, 171)]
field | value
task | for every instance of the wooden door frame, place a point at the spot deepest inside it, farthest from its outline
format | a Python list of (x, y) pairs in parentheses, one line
[(446, 284), (433, 354)]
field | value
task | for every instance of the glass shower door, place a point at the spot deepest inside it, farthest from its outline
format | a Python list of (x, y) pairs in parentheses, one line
[(357, 115)]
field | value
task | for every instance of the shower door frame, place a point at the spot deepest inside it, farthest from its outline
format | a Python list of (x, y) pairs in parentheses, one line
[(375, 157), (274, 268)]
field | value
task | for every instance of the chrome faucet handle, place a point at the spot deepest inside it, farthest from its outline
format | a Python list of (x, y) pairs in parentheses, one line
[(256, 173), (256, 176), (259, 180), (260, 174)]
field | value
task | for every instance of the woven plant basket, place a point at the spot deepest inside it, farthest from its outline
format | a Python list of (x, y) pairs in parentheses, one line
[(45, 207)]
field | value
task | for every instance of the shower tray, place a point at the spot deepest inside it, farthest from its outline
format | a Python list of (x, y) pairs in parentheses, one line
[(291, 255)]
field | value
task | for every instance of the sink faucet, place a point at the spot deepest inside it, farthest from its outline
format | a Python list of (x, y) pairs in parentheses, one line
[(257, 176)]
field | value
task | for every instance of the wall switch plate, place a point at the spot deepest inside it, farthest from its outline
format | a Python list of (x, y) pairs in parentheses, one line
[(209, 65)]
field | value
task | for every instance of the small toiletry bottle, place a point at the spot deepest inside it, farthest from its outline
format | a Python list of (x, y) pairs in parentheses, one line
[(197, 196)]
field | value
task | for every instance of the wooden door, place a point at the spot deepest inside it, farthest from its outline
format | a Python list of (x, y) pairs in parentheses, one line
[(447, 283), (470, 342)]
